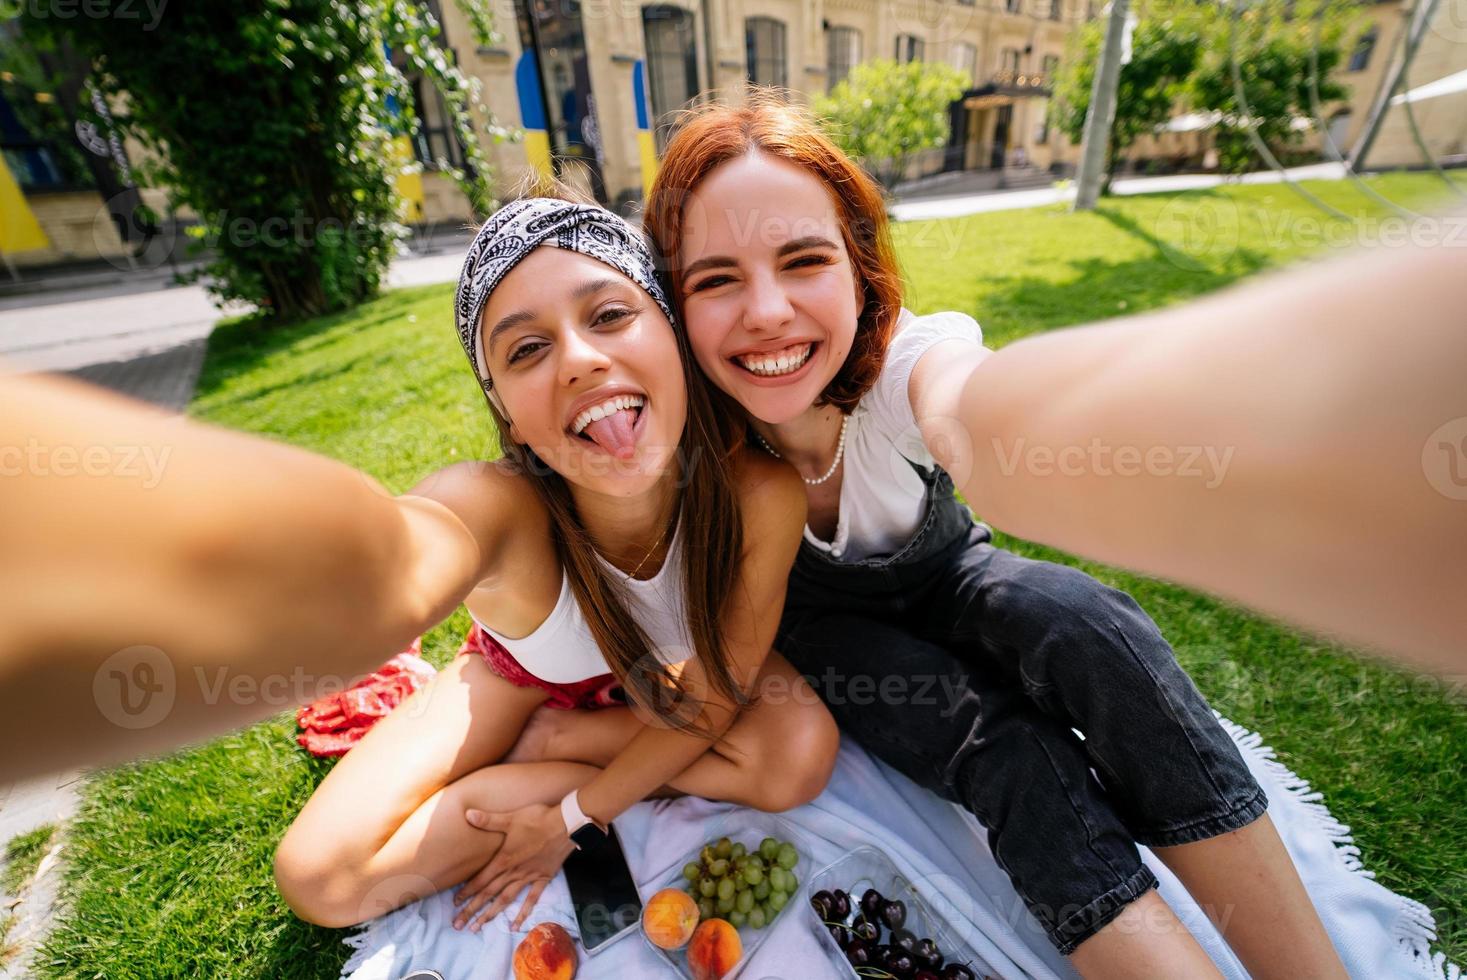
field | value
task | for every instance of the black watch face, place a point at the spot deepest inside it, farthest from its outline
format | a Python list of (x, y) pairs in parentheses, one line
[(588, 836)]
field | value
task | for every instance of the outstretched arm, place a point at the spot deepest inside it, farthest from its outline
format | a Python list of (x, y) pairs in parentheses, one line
[(1297, 444), (159, 576)]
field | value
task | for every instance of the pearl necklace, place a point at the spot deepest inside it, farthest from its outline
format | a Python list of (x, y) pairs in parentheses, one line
[(840, 450)]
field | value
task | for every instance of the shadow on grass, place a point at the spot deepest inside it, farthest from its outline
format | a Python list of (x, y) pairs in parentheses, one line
[(237, 346), (1100, 289)]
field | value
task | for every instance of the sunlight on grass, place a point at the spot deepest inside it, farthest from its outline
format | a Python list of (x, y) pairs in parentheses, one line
[(169, 861)]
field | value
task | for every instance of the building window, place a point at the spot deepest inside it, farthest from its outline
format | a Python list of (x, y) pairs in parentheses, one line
[(436, 144), (1009, 62), (909, 48), (1012, 6), (1051, 68), (672, 65), (1056, 9), (764, 44), (842, 53), (1364, 48), (965, 59), (1339, 129)]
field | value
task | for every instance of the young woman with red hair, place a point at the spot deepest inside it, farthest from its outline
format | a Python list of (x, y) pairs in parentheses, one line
[(778, 252)]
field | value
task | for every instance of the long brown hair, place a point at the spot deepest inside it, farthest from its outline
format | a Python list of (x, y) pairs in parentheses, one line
[(710, 528), (712, 134)]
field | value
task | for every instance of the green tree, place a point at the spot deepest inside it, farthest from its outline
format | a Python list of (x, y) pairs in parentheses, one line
[(884, 113), (275, 122), (1164, 54), (1280, 60)]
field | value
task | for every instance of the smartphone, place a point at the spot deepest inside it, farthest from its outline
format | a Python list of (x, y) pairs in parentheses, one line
[(603, 893)]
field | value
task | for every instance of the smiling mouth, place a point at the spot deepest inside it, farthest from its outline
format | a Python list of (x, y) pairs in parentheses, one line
[(612, 425), (776, 363)]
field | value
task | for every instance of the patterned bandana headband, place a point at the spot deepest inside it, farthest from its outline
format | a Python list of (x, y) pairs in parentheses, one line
[(520, 227)]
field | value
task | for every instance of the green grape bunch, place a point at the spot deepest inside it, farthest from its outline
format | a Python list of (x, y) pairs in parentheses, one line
[(747, 888)]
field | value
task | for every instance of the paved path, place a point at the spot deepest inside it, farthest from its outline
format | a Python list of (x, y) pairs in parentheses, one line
[(148, 344), (957, 205), (23, 808)]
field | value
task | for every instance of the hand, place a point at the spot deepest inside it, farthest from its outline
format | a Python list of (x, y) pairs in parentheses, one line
[(535, 846)]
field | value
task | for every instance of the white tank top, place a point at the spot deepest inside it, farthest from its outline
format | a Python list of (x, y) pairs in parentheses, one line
[(561, 650)]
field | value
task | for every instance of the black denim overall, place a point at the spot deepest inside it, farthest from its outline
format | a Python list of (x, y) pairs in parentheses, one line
[(966, 667)]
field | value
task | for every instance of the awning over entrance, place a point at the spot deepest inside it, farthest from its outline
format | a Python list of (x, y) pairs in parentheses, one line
[(1003, 89)]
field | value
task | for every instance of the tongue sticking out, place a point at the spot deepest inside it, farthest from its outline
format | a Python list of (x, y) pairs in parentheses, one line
[(614, 433)]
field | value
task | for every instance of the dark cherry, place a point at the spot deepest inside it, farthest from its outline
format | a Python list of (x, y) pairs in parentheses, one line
[(905, 939), (858, 953), (899, 961), (871, 903), (822, 902), (957, 971), (866, 929), (840, 904), (841, 934), (927, 954), (894, 914), (925, 975)]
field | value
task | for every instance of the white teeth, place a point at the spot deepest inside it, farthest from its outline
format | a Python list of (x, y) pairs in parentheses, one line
[(602, 409), (781, 362)]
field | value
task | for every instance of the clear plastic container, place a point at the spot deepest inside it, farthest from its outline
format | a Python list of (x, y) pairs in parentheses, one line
[(867, 867), (747, 827)]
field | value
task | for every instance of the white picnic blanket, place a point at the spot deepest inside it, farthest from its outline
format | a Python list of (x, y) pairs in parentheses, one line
[(1378, 933)]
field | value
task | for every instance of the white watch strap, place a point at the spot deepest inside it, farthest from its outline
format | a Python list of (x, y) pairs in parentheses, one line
[(570, 812)]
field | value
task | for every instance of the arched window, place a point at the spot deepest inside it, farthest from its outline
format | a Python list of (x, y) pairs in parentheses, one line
[(764, 43)]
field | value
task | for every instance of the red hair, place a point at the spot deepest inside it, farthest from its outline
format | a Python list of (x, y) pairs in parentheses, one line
[(712, 134)]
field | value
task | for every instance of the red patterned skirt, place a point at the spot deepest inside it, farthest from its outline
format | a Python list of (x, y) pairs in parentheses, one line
[(604, 691)]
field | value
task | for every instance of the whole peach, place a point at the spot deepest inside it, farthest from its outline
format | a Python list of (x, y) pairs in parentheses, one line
[(547, 953), (669, 918), (714, 949)]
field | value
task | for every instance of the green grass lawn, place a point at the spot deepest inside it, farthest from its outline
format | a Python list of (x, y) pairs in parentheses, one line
[(169, 861)]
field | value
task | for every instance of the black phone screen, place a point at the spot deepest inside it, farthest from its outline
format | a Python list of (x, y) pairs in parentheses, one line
[(602, 891)]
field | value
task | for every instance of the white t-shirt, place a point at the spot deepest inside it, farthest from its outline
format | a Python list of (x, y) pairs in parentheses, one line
[(881, 496)]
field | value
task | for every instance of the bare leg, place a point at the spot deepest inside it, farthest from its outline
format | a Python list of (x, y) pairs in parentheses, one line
[(467, 717), (1145, 941), (436, 848), (1247, 884), (391, 857), (788, 724)]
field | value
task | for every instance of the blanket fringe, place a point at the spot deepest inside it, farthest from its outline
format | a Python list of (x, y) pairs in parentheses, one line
[(1415, 927), (359, 942)]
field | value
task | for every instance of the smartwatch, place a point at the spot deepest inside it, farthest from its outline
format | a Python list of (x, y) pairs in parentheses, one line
[(584, 832)]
